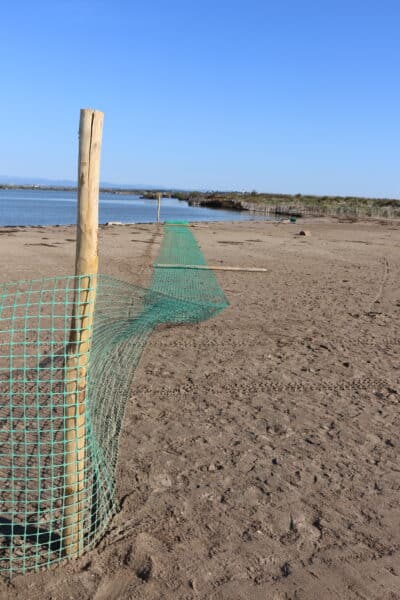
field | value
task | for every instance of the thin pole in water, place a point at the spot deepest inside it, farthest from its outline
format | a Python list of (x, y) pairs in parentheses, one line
[(158, 206)]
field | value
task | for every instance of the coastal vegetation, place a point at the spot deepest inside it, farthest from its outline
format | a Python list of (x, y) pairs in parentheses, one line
[(299, 205)]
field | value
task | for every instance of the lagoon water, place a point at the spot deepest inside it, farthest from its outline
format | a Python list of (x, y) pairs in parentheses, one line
[(38, 207)]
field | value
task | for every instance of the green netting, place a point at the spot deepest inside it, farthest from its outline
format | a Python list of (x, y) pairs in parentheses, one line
[(61, 407)]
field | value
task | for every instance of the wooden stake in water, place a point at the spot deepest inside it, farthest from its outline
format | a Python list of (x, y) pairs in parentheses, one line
[(158, 207), (77, 362)]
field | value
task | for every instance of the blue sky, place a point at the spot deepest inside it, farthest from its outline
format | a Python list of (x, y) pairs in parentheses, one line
[(280, 96)]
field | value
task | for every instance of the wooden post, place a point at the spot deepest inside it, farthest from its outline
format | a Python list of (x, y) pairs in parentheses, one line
[(158, 207), (77, 362)]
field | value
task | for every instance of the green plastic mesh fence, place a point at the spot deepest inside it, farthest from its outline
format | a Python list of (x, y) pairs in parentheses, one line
[(61, 407)]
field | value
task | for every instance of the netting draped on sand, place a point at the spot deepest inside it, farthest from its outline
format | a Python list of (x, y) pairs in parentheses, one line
[(36, 320)]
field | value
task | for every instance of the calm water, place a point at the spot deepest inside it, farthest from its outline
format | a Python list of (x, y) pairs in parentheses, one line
[(37, 207)]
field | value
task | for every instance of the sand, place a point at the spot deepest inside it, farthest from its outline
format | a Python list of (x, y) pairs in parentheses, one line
[(260, 450)]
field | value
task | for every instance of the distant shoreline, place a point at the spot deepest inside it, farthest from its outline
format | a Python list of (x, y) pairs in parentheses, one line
[(66, 188), (195, 194)]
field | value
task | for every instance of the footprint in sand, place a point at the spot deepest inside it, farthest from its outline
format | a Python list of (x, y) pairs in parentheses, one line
[(143, 561), (303, 531)]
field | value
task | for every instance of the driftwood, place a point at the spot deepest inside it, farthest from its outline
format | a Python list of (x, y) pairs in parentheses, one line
[(214, 268)]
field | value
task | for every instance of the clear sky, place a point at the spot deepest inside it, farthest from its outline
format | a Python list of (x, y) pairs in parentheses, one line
[(272, 95)]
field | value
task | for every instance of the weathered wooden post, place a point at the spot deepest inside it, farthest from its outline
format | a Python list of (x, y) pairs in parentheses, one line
[(77, 361), (158, 206)]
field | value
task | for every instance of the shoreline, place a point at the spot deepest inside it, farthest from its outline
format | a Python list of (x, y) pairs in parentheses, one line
[(300, 221), (122, 223)]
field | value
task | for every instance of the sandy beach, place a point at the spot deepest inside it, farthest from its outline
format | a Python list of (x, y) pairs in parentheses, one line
[(259, 457)]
